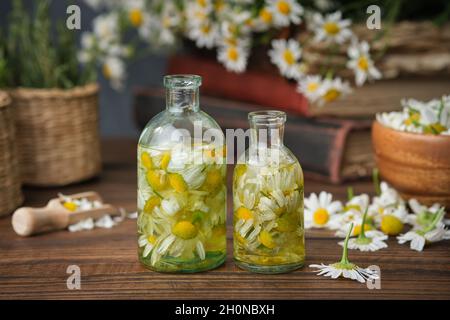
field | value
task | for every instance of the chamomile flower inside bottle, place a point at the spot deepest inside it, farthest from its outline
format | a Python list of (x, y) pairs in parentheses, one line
[(181, 184), (268, 200)]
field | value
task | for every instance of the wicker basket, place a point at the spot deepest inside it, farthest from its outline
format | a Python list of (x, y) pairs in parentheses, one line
[(10, 192), (57, 131)]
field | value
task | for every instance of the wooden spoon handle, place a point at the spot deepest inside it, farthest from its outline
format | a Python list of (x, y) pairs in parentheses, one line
[(29, 221)]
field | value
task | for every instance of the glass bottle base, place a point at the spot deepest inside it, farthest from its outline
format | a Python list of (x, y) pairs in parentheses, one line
[(168, 267), (275, 269)]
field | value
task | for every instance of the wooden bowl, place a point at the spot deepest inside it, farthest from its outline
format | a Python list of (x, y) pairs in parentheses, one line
[(417, 165)]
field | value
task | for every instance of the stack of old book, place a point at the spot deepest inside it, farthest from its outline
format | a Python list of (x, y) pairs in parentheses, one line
[(331, 142)]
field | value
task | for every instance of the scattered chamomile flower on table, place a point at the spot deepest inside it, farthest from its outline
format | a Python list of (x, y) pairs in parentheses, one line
[(353, 214), (371, 240), (361, 63), (331, 28), (392, 221), (422, 215), (321, 211), (344, 267), (434, 232)]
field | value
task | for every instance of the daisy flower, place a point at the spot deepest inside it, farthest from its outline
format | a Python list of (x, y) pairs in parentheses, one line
[(320, 212), (331, 28), (361, 63), (205, 34), (392, 221), (372, 240), (309, 86), (285, 55), (114, 70), (332, 89), (233, 57), (353, 214), (434, 232), (345, 268), (148, 243), (422, 215), (285, 11), (264, 20)]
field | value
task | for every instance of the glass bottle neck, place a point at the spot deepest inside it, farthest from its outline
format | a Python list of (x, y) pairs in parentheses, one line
[(180, 100), (266, 136)]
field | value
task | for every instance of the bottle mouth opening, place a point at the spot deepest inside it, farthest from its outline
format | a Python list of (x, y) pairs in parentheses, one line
[(182, 81), (269, 117)]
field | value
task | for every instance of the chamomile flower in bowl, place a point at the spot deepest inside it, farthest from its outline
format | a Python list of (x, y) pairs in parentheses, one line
[(321, 211), (412, 150)]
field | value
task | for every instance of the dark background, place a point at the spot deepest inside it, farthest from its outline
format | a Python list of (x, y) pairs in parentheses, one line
[(116, 113)]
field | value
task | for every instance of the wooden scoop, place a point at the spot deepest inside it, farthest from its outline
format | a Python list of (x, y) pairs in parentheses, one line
[(28, 221)]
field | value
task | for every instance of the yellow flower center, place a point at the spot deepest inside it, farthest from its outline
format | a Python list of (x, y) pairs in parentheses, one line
[(70, 206), (219, 5), (312, 87), (332, 28), (284, 7), (185, 230), (202, 3), (331, 95), (352, 206), (357, 229), (321, 216), (391, 225), (266, 239), (135, 16), (205, 28), (244, 214), (289, 57), (177, 182), (265, 15), (213, 179), (151, 239), (165, 160), (146, 160), (157, 180), (415, 117), (232, 54), (363, 63), (106, 71), (151, 203)]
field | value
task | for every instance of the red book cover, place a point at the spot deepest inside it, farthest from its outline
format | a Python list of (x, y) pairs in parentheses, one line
[(260, 88)]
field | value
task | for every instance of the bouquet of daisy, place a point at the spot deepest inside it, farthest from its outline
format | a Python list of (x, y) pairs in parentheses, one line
[(233, 29)]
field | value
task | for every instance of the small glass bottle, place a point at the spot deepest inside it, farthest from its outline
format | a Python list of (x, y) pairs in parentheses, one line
[(268, 224), (181, 184)]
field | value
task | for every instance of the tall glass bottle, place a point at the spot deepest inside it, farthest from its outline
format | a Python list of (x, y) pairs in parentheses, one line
[(181, 184), (268, 200)]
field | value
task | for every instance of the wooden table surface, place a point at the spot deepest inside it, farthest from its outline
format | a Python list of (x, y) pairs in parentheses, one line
[(36, 267)]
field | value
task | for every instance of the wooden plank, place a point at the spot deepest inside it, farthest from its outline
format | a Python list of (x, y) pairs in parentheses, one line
[(35, 268)]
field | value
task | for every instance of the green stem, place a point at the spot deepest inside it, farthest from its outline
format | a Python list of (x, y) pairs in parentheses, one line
[(362, 234), (350, 193), (344, 259), (433, 224), (376, 181)]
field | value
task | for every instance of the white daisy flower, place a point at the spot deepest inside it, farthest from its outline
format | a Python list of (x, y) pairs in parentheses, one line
[(285, 55), (331, 28), (309, 86), (264, 20), (205, 35), (234, 58), (422, 215), (361, 63), (353, 214), (170, 206), (332, 89), (148, 242), (345, 268), (321, 211), (371, 240), (285, 11), (114, 70)]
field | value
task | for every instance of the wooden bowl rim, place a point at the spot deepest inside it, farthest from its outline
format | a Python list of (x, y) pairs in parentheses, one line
[(413, 135)]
